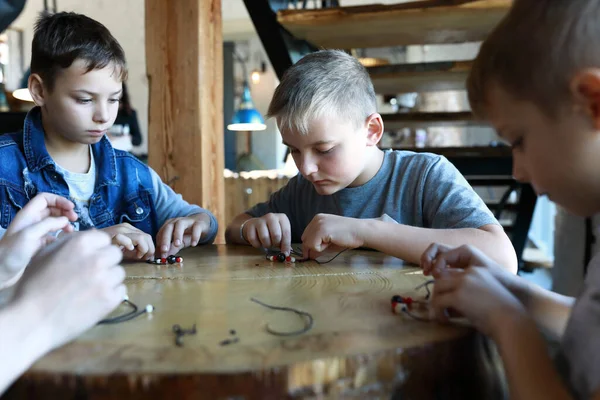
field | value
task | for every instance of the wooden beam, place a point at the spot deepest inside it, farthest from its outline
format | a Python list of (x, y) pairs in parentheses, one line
[(420, 77), (184, 62), (430, 119), (395, 25)]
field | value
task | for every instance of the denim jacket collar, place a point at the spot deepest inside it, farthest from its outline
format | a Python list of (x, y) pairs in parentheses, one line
[(37, 155)]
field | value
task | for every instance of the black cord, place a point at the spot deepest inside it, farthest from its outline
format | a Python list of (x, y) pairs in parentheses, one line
[(426, 286), (307, 325), (406, 306), (299, 252), (125, 317), (413, 316)]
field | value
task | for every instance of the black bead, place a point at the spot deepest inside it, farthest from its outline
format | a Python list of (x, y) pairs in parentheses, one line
[(397, 299), (281, 257), (172, 259)]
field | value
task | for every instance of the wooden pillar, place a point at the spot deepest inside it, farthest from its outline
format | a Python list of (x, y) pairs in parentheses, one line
[(184, 62)]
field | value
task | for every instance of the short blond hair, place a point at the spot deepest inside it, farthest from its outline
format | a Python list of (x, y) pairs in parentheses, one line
[(327, 82), (535, 51)]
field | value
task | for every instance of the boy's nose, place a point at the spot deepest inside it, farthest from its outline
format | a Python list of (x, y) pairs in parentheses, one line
[(308, 167), (100, 114)]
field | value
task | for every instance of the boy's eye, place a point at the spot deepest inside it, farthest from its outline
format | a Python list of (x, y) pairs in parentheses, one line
[(325, 151), (517, 144), (84, 101), (114, 100), (293, 151)]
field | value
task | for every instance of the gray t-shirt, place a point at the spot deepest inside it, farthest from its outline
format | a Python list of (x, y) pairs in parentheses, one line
[(416, 189), (578, 359)]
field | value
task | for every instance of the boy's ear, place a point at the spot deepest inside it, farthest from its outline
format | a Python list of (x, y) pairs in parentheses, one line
[(37, 89), (585, 88), (374, 129)]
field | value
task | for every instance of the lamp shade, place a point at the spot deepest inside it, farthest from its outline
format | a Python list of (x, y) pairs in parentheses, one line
[(247, 118), (23, 93)]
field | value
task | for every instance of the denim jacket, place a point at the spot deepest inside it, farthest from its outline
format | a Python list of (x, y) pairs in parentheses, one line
[(125, 190)]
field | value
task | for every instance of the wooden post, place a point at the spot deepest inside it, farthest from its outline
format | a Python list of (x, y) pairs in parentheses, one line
[(184, 62)]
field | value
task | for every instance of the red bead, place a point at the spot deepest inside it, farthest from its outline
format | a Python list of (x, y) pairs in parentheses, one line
[(179, 259), (288, 259), (163, 260), (408, 301)]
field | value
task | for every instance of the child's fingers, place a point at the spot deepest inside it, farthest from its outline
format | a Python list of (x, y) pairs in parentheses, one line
[(309, 244), (57, 212), (197, 230), (252, 236), (179, 229), (262, 231), (441, 303), (448, 280), (38, 231), (164, 238), (274, 231), (286, 237), (53, 200), (34, 211), (461, 257), (115, 276), (141, 246), (151, 250), (123, 240), (429, 256)]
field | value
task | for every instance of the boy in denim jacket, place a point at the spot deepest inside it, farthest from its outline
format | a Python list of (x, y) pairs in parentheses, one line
[(77, 74)]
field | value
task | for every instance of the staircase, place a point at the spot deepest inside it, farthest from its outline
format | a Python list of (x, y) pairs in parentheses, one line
[(291, 29)]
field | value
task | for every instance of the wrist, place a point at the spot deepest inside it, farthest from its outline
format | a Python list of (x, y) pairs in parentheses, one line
[(520, 288), (30, 328), (361, 232), (507, 322), (242, 237), (366, 230)]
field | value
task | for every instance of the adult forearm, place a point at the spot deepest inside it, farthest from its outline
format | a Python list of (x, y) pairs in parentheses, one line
[(20, 342)]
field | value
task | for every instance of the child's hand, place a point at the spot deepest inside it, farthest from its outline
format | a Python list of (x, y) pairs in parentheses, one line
[(70, 285), (29, 231), (476, 294), (438, 257), (136, 244), (326, 230), (270, 230), (182, 232)]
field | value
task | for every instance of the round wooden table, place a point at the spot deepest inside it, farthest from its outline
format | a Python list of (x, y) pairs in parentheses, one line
[(356, 349)]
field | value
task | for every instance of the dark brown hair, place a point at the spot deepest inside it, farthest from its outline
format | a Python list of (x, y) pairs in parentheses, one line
[(535, 51), (60, 39)]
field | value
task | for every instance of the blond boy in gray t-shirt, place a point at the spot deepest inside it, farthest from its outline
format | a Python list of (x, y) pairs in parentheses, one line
[(325, 108)]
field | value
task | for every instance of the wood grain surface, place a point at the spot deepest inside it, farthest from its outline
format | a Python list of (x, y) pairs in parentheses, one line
[(420, 77), (356, 349), (394, 25)]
